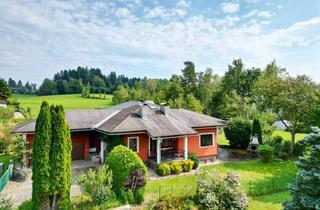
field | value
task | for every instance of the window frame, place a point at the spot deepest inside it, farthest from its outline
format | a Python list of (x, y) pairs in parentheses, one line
[(167, 148), (213, 140), (133, 137)]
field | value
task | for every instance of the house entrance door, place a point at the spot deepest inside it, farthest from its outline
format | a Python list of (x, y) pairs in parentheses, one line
[(77, 150)]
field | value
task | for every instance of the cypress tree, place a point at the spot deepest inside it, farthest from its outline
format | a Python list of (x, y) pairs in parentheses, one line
[(40, 158), (256, 130), (60, 161), (305, 191)]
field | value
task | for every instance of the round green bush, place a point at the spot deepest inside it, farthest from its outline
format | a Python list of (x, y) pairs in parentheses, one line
[(265, 152), (187, 165), (238, 132), (193, 156), (163, 169), (123, 162), (176, 167)]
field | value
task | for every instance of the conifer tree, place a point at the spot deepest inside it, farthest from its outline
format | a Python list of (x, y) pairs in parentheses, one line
[(60, 161), (40, 158), (256, 130), (305, 191)]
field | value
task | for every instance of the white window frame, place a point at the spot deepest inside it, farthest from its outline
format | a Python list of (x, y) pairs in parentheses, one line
[(133, 137), (213, 140)]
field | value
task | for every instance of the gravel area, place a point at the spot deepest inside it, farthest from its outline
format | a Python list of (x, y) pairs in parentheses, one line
[(19, 192)]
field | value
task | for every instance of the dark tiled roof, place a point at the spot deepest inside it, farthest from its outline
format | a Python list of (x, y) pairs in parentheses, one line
[(125, 118)]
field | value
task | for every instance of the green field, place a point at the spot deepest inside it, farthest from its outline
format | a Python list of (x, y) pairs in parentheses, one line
[(255, 177), (71, 101), (287, 136), (222, 140)]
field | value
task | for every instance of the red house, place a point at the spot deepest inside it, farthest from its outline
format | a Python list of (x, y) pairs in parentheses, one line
[(155, 133)]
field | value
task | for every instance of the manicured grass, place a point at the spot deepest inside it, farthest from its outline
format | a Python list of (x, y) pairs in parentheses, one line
[(287, 136), (255, 177), (266, 202), (70, 101)]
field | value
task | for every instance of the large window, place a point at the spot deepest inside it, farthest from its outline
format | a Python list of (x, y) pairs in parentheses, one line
[(166, 144), (133, 143), (206, 140)]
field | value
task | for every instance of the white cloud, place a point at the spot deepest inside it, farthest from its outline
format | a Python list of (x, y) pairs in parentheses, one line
[(229, 7), (183, 4), (250, 14), (42, 43), (264, 14), (122, 12)]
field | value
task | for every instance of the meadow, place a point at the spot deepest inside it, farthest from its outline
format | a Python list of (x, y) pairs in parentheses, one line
[(70, 101)]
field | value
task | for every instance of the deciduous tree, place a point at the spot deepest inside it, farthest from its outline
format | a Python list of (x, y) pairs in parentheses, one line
[(291, 98)]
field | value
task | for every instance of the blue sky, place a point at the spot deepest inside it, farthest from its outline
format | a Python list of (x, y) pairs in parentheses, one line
[(154, 38)]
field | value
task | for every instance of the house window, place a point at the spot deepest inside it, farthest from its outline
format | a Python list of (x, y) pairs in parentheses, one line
[(133, 143), (166, 144), (206, 140)]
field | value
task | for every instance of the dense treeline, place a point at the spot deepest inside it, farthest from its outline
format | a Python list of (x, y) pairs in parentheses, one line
[(19, 87), (73, 81)]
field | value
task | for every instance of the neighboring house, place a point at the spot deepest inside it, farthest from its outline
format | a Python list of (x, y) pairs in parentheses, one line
[(155, 133), (279, 125), (3, 100)]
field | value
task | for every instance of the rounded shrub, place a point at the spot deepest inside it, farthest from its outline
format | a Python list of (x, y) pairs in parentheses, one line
[(176, 167), (265, 152), (163, 169), (123, 162), (193, 156), (187, 165), (238, 132)]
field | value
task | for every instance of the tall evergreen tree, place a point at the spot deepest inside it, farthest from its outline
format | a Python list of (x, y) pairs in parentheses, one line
[(40, 158), (60, 161), (256, 130), (189, 77), (305, 191)]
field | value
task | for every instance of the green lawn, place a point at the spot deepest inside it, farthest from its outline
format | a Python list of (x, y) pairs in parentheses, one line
[(255, 177), (284, 134), (287, 136), (266, 202), (70, 101)]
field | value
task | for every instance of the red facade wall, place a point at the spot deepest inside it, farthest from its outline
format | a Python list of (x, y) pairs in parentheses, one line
[(178, 143), (143, 144), (194, 143), (74, 137)]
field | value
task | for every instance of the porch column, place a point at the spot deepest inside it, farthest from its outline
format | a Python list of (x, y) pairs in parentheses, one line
[(185, 147), (102, 148), (159, 140), (25, 155)]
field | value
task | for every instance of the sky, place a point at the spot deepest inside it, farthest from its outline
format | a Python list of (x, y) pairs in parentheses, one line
[(153, 38)]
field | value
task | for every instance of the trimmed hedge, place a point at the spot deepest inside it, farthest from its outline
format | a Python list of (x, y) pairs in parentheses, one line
[(163, 169), (176, 167), (187, 165), (123, 161)]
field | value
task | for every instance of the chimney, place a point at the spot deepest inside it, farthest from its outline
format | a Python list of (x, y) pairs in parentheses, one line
[(163, 107), (140, 111)]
